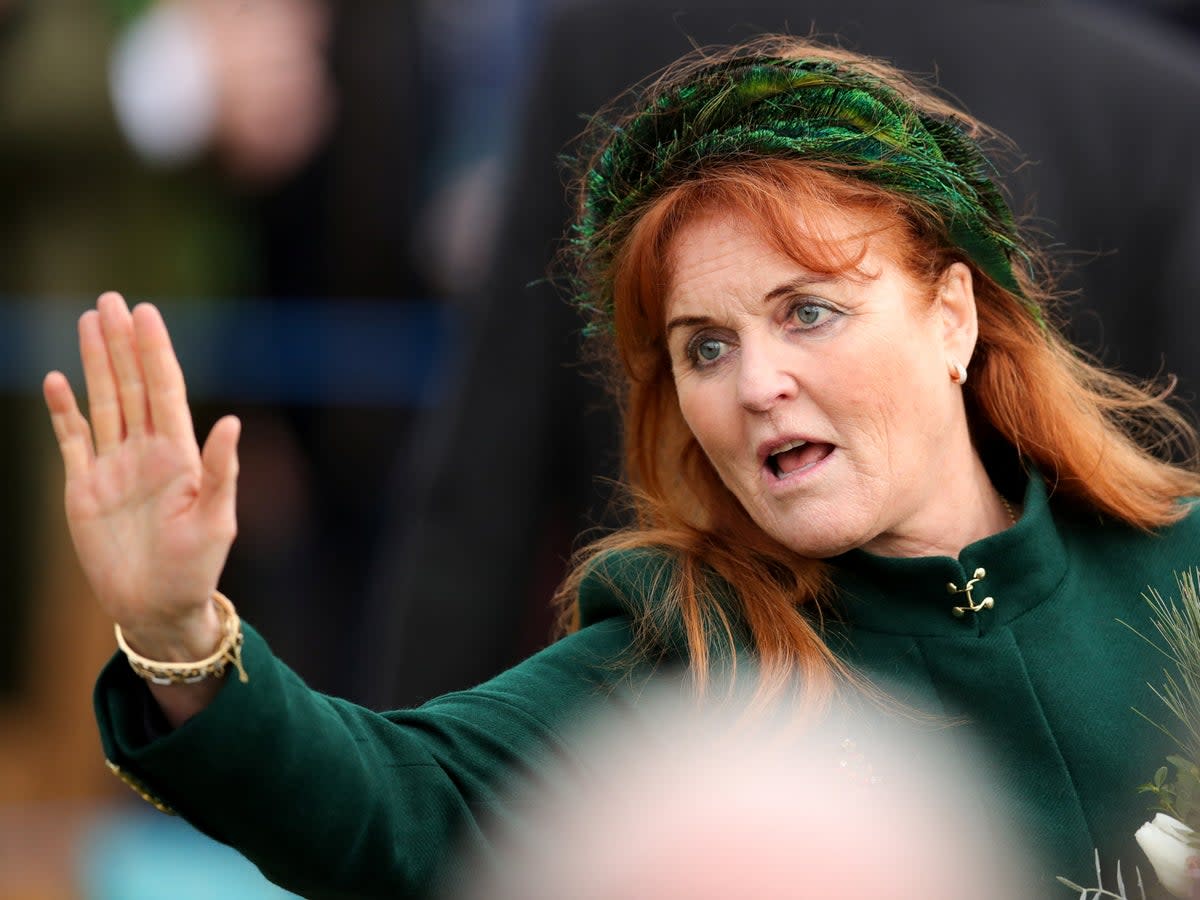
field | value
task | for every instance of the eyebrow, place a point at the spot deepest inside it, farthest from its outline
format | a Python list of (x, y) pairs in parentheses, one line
[(799, 283), (791, 286)]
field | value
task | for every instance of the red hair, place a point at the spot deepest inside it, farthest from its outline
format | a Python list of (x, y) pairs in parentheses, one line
[(1102, 442)]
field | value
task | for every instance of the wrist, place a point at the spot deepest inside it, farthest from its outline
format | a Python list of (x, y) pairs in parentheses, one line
[(179, 702), (195, 666), (185, 639)]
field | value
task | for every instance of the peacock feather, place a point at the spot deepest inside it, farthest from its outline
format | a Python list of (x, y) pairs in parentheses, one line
[(811, 109)]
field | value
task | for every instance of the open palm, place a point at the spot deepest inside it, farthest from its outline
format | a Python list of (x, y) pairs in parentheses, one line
[(152, 518)]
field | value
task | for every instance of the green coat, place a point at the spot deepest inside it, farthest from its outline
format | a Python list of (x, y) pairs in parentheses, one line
[(332, 800)]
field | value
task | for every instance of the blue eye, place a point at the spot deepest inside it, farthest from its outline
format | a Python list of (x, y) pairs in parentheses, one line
[(704, 351), (809, 314)]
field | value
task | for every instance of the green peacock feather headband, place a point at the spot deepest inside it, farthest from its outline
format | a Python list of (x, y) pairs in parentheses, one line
[(810, 109)]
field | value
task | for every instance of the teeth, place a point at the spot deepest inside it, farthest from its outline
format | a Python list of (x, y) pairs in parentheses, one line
[(786, 447)]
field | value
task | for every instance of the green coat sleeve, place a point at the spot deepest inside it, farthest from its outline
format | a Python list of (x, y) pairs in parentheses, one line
[(332, 800)]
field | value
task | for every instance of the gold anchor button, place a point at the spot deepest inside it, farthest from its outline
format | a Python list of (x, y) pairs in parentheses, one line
[(972, 606)]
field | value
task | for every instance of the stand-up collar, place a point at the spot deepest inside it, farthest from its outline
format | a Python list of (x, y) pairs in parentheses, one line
[(1023, 564)]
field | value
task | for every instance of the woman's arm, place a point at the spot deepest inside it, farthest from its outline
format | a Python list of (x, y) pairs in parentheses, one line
[(327, 798), (333, 800)]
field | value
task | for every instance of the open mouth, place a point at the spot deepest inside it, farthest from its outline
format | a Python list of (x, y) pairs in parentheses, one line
[(796, 456)]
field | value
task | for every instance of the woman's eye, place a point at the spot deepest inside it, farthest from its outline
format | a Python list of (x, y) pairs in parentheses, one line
[(810, 314), (707, 350)]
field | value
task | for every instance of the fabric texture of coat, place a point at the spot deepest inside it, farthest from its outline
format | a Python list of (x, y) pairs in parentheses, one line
[(333, 800)]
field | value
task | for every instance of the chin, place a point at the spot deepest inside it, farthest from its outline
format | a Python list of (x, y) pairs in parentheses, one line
[(814, 527)]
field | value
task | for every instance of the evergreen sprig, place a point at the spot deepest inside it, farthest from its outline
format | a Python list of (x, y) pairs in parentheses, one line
[(1178, 627)]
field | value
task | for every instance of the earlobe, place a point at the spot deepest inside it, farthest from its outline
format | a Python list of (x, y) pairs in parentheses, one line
[(956, 293)]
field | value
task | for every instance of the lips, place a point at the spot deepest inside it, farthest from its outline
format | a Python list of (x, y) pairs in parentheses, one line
[(795, 456)]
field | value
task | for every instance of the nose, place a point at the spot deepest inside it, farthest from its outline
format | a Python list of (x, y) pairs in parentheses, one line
[(766, 375)]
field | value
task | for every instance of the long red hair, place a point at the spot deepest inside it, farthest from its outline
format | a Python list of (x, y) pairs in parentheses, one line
[(1102, 442)]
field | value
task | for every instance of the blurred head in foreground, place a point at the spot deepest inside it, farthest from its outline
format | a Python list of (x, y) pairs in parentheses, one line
[(698, 807)]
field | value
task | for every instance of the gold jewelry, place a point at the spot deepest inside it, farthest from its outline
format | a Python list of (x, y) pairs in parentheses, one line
[(228, 651), (972, 605)]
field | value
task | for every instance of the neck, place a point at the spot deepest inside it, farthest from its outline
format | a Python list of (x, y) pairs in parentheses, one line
[(966, 507)]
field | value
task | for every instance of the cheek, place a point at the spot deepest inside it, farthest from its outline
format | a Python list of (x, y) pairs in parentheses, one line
[(706, 415), (916, 404), (695, 412), (884, 399)]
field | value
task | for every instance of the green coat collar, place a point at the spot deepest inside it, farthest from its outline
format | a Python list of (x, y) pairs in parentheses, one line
[(1024, 565)]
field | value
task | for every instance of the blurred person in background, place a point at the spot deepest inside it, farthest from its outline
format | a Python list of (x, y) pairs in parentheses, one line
[(1069, 84), (846, 406), (247, 82)]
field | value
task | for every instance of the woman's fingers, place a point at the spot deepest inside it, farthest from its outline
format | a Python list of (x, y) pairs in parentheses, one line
[(117, 327), (103, 405), (218, 487), (164, 378), (70, 427), (134, 381)]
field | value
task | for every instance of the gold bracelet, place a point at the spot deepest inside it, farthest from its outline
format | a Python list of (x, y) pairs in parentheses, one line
[(229, 651)]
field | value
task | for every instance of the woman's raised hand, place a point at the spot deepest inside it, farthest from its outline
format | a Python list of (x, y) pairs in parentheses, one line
[(152, 517)]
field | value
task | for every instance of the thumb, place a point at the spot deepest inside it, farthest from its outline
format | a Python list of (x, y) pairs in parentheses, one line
[(218, 486)]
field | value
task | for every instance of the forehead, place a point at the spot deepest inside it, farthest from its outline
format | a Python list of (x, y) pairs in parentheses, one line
[(734, 248)]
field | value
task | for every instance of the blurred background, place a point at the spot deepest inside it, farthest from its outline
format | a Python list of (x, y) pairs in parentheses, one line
[(346, 211)]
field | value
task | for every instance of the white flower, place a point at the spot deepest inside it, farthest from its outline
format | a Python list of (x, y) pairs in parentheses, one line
[(1166, 842)]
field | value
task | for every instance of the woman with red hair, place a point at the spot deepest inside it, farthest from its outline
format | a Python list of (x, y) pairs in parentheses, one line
[(861, 459)]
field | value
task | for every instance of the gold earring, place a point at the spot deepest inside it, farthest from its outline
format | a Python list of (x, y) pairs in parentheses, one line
[(958, 372)]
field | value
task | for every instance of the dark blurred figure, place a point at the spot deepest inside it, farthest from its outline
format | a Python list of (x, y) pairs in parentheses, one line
[(15, 493), (339, 229), (513, 469), (308, 110)]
